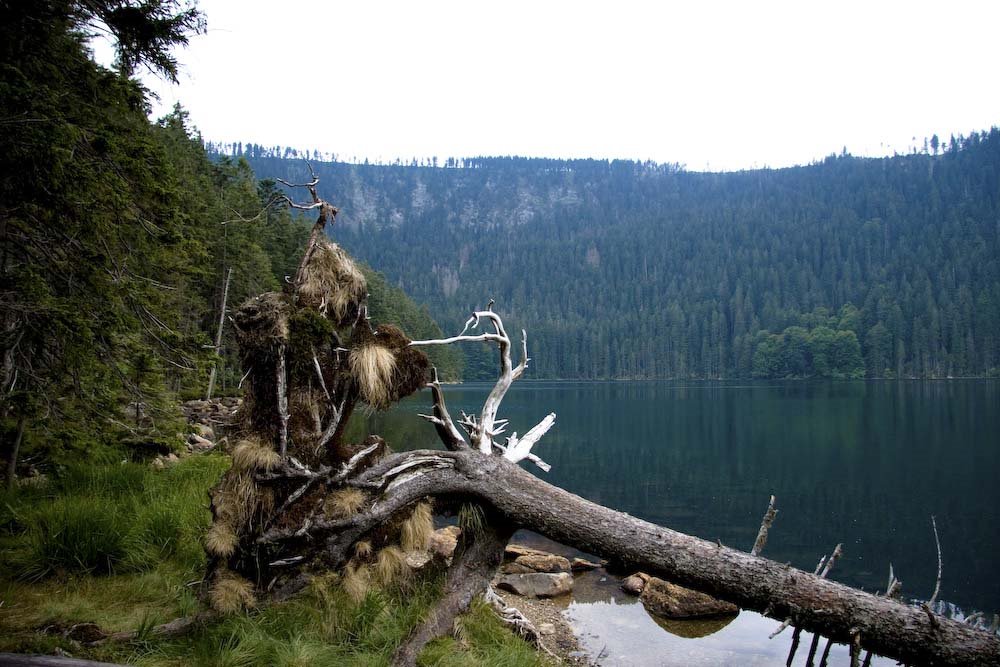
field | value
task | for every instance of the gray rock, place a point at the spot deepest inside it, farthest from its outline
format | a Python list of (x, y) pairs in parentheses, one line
[(204, 430), (515, 568), (546, 629), (537, 584)]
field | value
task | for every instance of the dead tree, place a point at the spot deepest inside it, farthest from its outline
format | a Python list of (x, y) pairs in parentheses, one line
[(301, 501)]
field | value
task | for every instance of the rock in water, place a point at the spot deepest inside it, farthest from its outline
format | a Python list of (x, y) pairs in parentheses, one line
[(537, 584), (672, 601), (542, 562), (633, 585)]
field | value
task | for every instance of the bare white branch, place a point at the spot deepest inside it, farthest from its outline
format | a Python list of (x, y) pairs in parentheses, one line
[(520, 449)]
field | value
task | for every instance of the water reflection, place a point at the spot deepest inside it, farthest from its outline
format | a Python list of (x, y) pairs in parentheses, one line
[(623, 634), (864, 463)]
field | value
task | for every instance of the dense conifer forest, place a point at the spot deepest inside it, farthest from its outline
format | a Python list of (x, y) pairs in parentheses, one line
[(846, 268), (115, 237)]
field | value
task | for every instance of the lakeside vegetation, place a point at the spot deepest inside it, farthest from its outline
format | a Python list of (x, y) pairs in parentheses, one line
[(119, 544)]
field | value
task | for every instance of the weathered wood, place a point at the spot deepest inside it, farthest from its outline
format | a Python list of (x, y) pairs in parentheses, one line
[(765, 526), (218, 338), (477, 559), (889, 628)]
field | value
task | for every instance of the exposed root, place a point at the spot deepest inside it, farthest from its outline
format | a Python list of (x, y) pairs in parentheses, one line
[(469, 575), (332, 283)]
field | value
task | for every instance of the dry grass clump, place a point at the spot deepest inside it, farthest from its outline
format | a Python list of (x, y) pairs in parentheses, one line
[(221, 540), (356, 580), (416, 531), (373, 366), (231, 593), (363, 549), (390, 565), (332, 283), (254, 454), (343, 503)]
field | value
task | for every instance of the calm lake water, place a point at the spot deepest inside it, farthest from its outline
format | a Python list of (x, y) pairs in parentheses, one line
[(862, 463)]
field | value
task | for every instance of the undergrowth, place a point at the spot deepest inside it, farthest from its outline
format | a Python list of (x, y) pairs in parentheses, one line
[(120, 546)]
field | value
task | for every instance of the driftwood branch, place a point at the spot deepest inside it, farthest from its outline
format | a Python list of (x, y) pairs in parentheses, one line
[(484, 429)]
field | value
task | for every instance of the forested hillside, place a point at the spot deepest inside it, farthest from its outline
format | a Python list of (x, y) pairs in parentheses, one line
[(885, 267), (115, 237)]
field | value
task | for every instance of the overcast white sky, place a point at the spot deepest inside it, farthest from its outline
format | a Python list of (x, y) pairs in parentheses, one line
[(711, 85)]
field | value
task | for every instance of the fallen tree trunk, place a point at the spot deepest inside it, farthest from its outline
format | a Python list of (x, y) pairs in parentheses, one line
[(887, 627)]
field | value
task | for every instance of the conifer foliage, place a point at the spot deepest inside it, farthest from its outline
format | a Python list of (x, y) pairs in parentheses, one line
[(115, 234)]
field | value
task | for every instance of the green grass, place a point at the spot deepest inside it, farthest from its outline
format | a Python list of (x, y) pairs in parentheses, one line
[(119, 545), (110, 519)]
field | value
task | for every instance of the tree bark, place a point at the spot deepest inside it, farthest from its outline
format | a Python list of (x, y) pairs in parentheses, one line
[(887, 627), (468, 576), (218, 338)]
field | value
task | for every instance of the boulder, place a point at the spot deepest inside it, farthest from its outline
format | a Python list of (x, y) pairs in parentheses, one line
[(515, 568), (546, 629), (443, 542), (537, 584), (543, 562), (196, 443), (203, 430), (668, 600)]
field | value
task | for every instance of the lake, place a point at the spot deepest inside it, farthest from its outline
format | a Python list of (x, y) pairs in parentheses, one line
[(865, 463)]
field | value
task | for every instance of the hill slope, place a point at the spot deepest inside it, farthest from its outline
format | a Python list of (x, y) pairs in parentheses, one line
[(622, 269)]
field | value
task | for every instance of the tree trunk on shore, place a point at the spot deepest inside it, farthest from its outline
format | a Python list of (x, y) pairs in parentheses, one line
[(887, 627)]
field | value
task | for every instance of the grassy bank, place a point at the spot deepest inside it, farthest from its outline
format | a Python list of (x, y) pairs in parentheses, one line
[(119, 545)]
